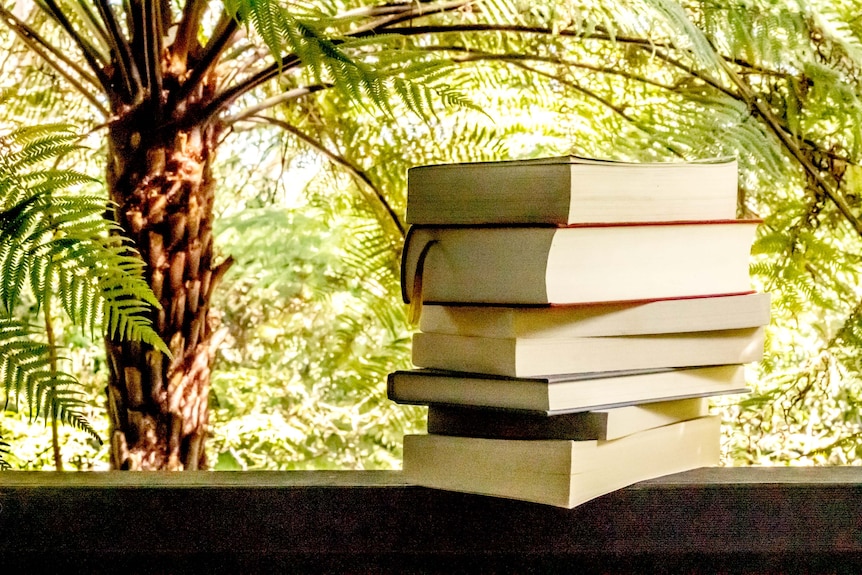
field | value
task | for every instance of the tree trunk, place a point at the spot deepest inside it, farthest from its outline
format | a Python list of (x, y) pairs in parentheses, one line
[(163, 188)]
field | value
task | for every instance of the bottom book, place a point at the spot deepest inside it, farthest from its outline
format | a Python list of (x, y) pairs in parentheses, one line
[(559, 472)]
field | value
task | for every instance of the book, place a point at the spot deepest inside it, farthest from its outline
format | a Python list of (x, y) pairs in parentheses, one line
[(558, 472), (527, 357), (602, 424), (576, 264), (559, 394), (638, 318), (568, 190)]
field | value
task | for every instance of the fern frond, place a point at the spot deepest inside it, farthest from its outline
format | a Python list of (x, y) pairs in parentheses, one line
[(837, 31), (102, 277), (368, 69), (64, 245), (60, 397), (4, 451), (56, 243), (24, 362), (683, 32)]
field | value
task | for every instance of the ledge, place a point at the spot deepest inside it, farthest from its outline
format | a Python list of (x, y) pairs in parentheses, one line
[(731, 519)]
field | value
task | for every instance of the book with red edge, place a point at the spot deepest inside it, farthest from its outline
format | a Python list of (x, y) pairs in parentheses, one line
[(531, 265)]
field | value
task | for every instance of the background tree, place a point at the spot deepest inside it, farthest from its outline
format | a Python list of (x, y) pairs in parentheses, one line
[(165, 94), (773, 84)]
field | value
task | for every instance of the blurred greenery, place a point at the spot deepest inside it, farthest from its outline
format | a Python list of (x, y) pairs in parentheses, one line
[(298, 383)]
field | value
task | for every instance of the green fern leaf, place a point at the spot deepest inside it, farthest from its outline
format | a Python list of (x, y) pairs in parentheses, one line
[(4, 452)]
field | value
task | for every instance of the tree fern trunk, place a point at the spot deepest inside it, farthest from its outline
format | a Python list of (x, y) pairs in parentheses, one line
[(163, 189)]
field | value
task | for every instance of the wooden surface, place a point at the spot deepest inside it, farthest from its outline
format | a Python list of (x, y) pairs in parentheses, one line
[(754, 520)]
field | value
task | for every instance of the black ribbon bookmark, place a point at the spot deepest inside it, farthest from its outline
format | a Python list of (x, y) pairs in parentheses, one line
[(415, 302)]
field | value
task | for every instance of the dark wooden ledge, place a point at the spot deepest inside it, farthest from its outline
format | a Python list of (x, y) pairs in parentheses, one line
[(755, 520)]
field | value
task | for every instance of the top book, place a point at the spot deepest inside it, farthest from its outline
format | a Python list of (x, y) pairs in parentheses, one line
[(571, 190)]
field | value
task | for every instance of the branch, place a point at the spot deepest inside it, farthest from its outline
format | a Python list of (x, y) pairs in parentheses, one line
[(136, 17), (214, 48), (518, 60), (371, 11), (291, 61), (407, 13), (243, 57), (341, 161), (53, 362), (91, 55), (123, 53), (153, 54), (472, 55), (777, 129), (747, 95), (54, 58), (91, 21), (231, 94), (578, 88), (275, 101), (193, 12), (30, 36), (597, 34), (603, 101), (707, 79), (716, 85)]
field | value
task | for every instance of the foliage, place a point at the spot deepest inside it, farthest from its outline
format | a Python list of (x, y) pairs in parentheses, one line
[(56, 244), (775, 86), (167, 95), (4, 452), (31, 441), (315, 324)]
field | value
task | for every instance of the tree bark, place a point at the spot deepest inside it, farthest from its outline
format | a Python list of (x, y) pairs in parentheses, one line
[(161, 182)]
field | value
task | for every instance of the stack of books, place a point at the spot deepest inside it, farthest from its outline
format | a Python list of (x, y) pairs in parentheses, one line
[(575, 315)]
